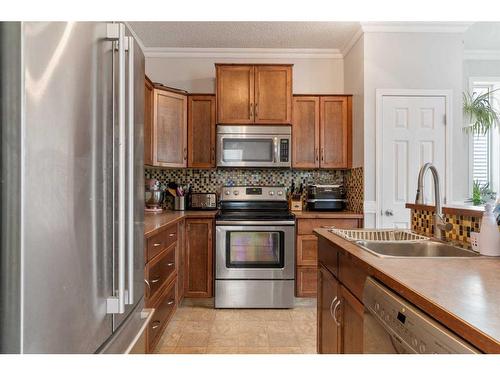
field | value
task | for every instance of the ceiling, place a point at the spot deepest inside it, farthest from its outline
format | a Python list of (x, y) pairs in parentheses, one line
[(311, 35)]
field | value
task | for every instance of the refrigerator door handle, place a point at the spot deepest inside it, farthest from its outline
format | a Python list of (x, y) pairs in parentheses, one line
[(130, 171), (116, 33)]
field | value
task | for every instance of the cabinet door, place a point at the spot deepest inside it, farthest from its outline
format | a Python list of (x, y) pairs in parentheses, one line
[(306, 283), (352, 323), (198, 278), (201, 131), (235, 94), (148, 122), (170, 129), (273, 94), (328, 329), (305, 132), (307, 250), (335, 132)]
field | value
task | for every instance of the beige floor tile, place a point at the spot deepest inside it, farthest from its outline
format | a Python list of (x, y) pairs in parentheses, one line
[(309, 349), (191, 350), (282, 338), (249, 325), (182, 314), (200, 313), (225, 327), (165, 350), (222, 350), (307, 314), (197, 326), (193, 339), (285, 350), (253, 339), (306, 341), (169, 339), (225, 314), (304, 327), (223, 340), (264, 315), (253, 350)]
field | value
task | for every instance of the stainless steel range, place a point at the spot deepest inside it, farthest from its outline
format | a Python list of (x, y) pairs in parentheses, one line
[(255, 248)]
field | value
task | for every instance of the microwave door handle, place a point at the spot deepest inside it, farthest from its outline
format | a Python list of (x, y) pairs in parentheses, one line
[(130, 172), (275, 141)]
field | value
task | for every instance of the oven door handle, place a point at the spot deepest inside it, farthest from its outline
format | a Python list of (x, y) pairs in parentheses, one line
[(275, 142)]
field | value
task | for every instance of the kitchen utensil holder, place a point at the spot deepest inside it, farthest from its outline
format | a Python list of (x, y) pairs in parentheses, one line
[(179, 203)]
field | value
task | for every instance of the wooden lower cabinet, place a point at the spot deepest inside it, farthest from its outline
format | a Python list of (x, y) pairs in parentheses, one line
[(306, 259), (328, 330), (198, 258), (164, 307), (306, 281), (352, 312), (180, 261)]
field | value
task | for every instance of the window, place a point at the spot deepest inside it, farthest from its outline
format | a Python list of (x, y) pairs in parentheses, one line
[(485, 149)]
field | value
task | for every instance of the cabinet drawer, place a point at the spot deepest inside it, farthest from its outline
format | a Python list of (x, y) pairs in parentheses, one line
[(306, 226), (160, 241), (164, 308), (159, 271), (307, 250), (306, 282)]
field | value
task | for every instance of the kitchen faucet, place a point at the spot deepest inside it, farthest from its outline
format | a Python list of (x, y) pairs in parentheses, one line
[(440, 225)]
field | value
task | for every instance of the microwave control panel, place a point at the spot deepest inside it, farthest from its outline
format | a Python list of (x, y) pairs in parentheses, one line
[(284, 150)]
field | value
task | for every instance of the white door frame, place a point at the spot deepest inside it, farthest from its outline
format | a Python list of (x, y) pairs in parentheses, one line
[(380, 93)]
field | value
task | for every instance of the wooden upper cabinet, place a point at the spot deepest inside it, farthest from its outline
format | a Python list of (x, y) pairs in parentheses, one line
[(201, 131), (273, 94), (305, 135), (335, 128), (254, 94), (148, 122), (235, 94), (169, 129)]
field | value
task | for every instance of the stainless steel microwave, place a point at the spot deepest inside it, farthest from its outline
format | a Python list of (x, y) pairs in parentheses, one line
[(254, 146)]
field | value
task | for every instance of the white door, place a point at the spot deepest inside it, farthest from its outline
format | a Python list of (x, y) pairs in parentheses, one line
[(413, 132)]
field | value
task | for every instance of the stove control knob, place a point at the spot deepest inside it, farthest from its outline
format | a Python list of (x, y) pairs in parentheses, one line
[(228, 192), (236, 192), (280, 193), (271, 192)]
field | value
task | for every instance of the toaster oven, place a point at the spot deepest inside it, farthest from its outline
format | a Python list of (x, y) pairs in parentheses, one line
[(203, 201)]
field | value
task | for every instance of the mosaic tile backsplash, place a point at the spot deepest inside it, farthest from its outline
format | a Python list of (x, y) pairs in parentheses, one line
[(210, 180), (422, 222)]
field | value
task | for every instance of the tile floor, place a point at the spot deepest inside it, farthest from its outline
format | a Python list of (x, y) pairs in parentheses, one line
[(203, 329)]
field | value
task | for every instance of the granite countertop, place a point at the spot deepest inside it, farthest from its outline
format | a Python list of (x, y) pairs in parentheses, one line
[(154, 221), (461, 293)]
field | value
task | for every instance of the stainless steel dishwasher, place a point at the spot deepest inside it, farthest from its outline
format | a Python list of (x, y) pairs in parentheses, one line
[(394, 326)]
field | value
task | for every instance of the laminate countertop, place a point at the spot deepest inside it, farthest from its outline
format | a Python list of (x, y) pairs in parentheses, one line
[(154, 221), (463, 294)]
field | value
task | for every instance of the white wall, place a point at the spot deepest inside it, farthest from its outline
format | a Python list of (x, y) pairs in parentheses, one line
[(415, 61), (194, 74), (480, 68), (354, 84)]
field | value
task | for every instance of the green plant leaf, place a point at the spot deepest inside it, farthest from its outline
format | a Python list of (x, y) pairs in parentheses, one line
[(480, 113)]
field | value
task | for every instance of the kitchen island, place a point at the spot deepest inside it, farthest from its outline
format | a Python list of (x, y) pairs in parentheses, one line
[(460, 293)]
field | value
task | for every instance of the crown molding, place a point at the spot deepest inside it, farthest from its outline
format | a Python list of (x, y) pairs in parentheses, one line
[(482, 54), (258, 53), (415, 27), (351, 42)]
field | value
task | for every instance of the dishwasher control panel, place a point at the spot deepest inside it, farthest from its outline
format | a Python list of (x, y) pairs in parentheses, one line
[(411, 330)]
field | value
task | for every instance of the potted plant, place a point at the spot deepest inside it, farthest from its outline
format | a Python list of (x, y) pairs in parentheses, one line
[(481, 193), (479, 112)]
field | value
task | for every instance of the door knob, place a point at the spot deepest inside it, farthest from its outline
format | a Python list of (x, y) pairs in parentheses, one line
[(389, 213)]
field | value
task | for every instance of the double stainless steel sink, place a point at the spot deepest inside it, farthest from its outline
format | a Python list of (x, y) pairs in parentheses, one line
[(402, 244)]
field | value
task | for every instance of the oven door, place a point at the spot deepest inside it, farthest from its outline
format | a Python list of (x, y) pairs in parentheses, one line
[(253, 150), (255, 251)]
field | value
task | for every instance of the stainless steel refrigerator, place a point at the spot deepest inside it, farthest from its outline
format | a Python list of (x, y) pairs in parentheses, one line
[(72, 180)]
